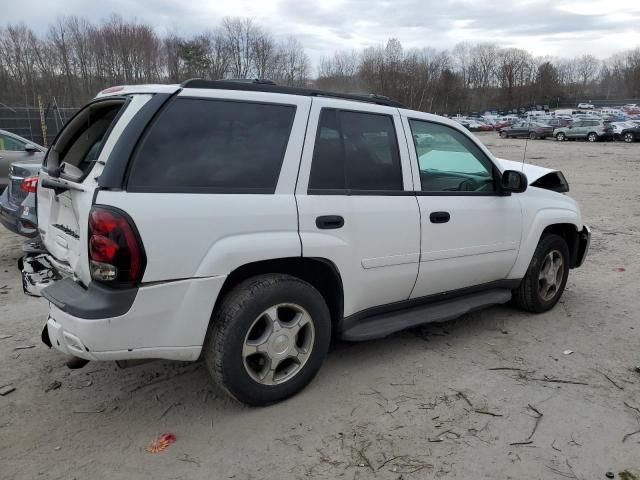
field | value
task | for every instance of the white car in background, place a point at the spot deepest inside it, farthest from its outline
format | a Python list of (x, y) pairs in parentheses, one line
[(587, 106), (249, 224), (619, 126)]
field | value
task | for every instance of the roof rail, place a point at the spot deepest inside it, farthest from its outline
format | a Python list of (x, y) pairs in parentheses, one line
[(261, 85)]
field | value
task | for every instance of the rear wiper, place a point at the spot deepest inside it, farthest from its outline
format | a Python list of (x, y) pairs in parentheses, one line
[(59, 186)]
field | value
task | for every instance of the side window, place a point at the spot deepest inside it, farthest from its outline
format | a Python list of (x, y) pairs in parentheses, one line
[(449, 161), (10, 144), (355, 151), (215, 146)]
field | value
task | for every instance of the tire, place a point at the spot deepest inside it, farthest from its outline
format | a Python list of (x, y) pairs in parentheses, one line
[(532, 135), (628, 137), (253, 313), (504, 135), (561, 137), (592, 137), (530, 295)]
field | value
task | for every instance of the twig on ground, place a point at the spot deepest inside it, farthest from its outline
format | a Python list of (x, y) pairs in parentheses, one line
[(538, 418), (506, 368), (609, 378), (574, 441), (554, 447), (628, 435), (166, 410), (632, 407), (561, 473), (463, 396), (528, 442), (558, 380), (486, 412), (390, 460), (366, 460), (187, 458)]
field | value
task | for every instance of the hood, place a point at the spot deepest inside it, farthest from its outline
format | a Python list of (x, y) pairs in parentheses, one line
[(540, 177), (533, 172)]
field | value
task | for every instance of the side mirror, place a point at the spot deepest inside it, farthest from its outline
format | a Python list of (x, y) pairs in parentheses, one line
[(514, 181), (31, 148)]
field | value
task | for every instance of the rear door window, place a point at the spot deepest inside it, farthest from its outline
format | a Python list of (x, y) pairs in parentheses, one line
[(355, 151), (207, 145)]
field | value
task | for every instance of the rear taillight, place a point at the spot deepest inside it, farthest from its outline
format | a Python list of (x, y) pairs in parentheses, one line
[(116, 254), (29, 184)]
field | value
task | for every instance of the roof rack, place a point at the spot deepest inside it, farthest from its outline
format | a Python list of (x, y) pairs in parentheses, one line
[(261, 85)]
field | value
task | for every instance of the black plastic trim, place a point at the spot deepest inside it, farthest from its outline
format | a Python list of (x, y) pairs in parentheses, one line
[(113, 175), (92, 303), (263, 86), (349, 192), (352, 320), (379, 326)]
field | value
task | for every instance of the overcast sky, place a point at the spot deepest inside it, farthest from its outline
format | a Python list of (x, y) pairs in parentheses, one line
[(544, 27)]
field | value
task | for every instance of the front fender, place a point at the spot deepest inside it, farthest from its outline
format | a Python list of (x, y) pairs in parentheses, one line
[(533, 226)]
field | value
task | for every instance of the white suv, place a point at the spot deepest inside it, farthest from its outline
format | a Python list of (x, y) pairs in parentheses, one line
[(248, 224)]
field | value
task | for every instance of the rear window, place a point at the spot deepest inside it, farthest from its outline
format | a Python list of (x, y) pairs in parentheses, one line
[(202, 145)]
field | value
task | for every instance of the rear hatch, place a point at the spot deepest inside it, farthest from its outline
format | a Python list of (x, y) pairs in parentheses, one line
[(69, 178)]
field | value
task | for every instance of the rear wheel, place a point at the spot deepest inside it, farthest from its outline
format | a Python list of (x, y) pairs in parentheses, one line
[(532, 135), (592, 137), (268, 339), (503, 134), (561, 137), (542, 286), (628, 137)]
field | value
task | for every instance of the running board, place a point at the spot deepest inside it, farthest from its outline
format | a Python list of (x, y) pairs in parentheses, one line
[(383, 324)]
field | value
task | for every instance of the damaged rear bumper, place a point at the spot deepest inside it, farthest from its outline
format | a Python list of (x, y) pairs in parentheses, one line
[(38, 272)]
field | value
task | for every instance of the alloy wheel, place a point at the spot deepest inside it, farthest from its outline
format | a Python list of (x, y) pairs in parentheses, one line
[(551, 275), (278, 344)]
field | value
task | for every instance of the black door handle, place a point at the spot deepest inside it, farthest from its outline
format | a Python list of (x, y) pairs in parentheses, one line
[(327, 222), (439, 217)]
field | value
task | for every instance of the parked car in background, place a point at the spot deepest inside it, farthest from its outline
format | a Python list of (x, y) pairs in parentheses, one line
[(477, 126), (618, 127), (558, 122), (532, 130), (592, 130), (14, 148), (18, 182), (628, 135), (587, 106)]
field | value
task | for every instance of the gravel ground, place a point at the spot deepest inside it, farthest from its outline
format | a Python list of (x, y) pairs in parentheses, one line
[(483, 396)]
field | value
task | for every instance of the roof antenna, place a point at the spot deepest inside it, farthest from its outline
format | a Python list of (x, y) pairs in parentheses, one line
[(524, 155)]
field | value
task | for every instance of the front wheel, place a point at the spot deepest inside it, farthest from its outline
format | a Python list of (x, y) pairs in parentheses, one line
[(544, 282), (561, 137), (628, 137), (268, 338), (503, 134), (592, 137), (532, 136)]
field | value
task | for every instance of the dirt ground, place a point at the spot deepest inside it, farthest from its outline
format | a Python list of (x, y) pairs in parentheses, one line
[(490, 395)]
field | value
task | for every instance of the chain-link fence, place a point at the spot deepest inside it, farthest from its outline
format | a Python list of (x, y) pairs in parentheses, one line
[(28, 122)]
